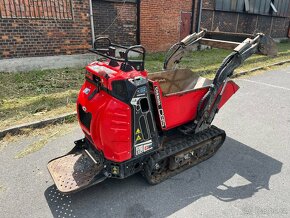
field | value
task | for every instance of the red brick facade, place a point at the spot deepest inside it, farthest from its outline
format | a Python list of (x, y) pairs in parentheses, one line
[(49, 32), (24, 37), (161, 25), (160, 22)]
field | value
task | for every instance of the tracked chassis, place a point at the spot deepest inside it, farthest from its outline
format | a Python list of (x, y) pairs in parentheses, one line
[(158, 124), (78, 169), (180, 152)]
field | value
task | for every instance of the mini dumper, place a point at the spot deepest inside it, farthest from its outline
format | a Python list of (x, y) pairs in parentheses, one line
[(158, 124)]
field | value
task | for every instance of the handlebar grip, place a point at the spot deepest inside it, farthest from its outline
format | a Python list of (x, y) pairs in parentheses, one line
[(102, 38), (133, 48)]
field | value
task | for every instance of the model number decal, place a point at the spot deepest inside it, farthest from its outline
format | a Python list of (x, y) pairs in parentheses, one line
[(159, 106), (143, 147)]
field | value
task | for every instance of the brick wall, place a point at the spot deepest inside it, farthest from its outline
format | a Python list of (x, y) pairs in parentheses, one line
[(160, 22), (117, 20), (25, 37), (224, 21)]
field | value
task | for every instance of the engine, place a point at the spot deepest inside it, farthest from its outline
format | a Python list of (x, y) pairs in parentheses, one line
[(115, 111)]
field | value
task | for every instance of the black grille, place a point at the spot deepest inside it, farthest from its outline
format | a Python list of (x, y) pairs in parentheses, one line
[(85, 117), (119, 89), (150, 123), (143, 127)]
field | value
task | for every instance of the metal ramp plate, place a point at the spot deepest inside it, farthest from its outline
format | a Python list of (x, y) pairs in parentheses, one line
[(73, 171)]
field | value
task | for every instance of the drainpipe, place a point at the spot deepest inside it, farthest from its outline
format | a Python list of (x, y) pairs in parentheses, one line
[(192, 16), (92, 22), (199, 16), (138, 38)]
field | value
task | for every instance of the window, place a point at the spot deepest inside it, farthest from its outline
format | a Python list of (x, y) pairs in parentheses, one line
[(37, 9), (263, 7)]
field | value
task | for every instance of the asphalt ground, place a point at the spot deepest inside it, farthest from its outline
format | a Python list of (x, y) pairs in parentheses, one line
[(248, 177)]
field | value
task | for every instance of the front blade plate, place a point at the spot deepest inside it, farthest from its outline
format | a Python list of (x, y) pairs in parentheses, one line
[(73, 171)]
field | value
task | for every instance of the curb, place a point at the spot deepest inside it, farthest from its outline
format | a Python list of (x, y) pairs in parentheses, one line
[(37, 124), (259, 68), (42, 123)]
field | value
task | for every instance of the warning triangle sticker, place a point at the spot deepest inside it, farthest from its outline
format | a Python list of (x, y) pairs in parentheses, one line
[(138, 138), (138, 131)]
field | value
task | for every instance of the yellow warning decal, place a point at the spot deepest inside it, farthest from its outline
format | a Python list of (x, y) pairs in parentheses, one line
[(115, 170), (138, 131), (138, 138)]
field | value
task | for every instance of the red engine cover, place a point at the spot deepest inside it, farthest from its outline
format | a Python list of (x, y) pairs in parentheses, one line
[(110, 123), (110, 127)]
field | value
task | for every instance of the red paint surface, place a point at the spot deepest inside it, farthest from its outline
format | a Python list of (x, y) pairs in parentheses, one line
[(230, 89), (110, 128), (111, 124), (182, 108)]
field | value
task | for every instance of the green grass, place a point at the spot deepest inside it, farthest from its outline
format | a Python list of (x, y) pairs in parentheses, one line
[(30, 96), (39, 82), (34, 95)]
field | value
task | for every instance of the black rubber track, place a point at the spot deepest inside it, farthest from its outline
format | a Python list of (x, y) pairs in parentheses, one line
[(210, 139)]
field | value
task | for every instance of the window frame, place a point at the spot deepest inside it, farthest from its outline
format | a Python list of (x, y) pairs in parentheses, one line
[(36, 9)]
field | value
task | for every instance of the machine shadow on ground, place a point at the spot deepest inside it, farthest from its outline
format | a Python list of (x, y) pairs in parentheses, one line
[(235, 172)]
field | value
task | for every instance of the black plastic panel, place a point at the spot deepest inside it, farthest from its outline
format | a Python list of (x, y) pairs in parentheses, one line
[(85, 117)]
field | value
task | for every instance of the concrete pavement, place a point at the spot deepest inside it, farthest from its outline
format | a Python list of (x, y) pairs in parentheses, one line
[(49, 62)]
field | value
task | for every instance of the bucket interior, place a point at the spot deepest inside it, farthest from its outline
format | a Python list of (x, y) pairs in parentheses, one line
[(179, 80)]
